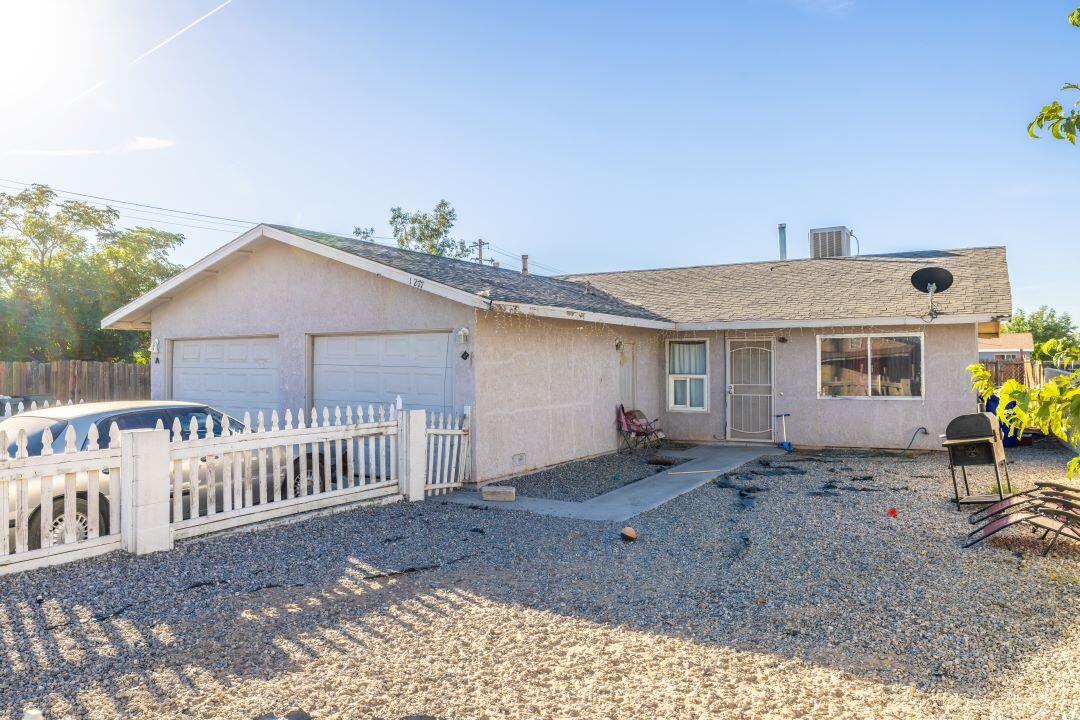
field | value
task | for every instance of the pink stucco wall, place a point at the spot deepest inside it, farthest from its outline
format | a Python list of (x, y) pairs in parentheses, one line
[(876, 422), (547, 389), (285, 292), (841, 422)]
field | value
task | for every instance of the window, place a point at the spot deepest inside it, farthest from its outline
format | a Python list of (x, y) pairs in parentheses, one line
[(870, 366), (688, 380)]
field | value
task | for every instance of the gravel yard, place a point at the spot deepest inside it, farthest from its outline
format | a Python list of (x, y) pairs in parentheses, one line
[(772, 593), (586, 479)]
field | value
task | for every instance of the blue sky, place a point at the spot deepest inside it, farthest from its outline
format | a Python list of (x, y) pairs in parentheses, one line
[(593, 136)]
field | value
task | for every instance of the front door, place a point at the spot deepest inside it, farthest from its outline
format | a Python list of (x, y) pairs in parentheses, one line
[(749, 389)]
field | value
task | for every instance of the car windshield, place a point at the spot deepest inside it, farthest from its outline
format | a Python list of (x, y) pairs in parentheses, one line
[(34, 428)]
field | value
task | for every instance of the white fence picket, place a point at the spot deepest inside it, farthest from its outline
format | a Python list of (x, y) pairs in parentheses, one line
[(59, 492), (219, 477), (447, 453), (265, 461)]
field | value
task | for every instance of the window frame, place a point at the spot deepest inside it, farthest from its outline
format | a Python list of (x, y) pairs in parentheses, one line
[(870, 364), (671, 406)]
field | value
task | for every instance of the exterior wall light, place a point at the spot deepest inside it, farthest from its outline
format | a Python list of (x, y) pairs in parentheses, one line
[(463, 336)]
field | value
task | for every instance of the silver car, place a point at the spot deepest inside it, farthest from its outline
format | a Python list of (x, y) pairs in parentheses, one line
[(132, 415)]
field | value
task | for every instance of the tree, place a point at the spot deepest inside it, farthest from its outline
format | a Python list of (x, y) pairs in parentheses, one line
[(1053, 407), (424, 232), (1063, 126), (64, 266), (1044, 324)]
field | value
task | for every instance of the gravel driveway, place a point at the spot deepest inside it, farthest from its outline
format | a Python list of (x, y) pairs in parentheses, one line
[(791, 600)]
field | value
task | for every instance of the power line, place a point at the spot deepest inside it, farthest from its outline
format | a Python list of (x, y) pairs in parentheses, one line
[(248, 223), (169, 216)]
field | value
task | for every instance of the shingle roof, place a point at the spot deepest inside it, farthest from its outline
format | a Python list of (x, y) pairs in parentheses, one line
[(865, 286), (502, 284)]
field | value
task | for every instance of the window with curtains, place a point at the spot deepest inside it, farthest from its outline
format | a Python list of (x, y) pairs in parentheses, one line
[(688, 379), (881, 366)]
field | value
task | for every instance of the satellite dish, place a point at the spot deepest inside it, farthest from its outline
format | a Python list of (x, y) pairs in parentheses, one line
[(932, 279)]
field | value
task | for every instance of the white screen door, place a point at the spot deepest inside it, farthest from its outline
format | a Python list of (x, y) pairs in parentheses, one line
[(750, 390)]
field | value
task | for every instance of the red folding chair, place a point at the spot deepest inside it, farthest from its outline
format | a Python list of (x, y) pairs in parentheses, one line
[(636, 430)]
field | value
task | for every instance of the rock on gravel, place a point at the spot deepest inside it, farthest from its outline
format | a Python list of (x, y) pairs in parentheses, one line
[(794, 604)]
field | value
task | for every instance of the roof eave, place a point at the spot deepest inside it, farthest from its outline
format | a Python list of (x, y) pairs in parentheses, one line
[(133, 315), (963, 319), (565, 313)]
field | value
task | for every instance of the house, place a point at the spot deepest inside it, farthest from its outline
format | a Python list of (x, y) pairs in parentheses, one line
[(1006, 346), (282, 317)]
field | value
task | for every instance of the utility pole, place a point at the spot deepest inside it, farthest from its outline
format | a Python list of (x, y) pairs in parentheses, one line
[(479, 247)]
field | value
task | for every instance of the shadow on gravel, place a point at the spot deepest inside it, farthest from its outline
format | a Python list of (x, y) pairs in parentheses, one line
[(784, 557)]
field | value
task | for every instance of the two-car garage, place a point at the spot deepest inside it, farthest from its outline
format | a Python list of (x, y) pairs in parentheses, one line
[(244, 374)]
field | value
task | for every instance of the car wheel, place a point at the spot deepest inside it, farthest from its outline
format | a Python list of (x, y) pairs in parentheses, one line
[(82, 522), (308, 477)]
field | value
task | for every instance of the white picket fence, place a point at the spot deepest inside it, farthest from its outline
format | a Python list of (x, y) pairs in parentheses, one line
[(157, 486), (235, 479), (447, 453), (81, 483), (7, 409)]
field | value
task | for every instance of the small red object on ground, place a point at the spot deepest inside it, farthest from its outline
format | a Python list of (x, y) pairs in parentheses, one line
[(629, 534), (891, 512)]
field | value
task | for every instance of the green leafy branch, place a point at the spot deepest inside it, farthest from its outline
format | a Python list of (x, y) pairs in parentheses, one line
[(1053, 407), (1062, 125)]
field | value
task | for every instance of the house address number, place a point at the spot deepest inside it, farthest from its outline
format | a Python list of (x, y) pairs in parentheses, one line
[(417, 283)]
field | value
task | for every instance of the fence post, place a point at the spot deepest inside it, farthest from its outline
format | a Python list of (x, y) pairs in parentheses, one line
[(412, 448), (466, 472), (144, 492)]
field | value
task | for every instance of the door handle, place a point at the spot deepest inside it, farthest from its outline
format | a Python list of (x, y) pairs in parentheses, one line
[(730, 389)]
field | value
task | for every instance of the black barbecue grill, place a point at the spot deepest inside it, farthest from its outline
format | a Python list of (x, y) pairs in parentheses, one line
[(975, 440)]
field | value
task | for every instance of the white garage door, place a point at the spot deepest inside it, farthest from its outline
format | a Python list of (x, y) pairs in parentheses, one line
[(232, 374), (362, 369)]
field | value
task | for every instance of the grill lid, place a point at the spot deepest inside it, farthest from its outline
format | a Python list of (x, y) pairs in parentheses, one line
[(975, 425)]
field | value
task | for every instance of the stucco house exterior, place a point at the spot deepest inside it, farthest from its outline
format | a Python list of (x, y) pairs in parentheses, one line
[(282, 317)]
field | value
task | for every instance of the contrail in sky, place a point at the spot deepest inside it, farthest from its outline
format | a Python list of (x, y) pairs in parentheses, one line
[(152, 50)]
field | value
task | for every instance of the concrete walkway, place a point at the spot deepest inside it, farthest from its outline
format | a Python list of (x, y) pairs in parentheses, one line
[(637, 497)]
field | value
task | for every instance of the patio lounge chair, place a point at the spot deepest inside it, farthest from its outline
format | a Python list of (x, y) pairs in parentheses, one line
[(636, 430), (1023, 499), (1058, 516)]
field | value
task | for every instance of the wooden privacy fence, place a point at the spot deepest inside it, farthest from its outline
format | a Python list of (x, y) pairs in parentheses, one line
[(150, 487), (76, 379)]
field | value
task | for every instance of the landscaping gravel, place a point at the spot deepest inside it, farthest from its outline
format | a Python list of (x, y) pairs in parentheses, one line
[(764, 594), (586, 479)]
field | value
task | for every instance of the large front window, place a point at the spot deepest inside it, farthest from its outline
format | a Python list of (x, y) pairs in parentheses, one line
[(688, 380), (870, 365)]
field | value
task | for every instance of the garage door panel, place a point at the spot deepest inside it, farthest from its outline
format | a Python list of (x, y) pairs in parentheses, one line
[(236, 375), (427, 383), (396, 382), (188, 353), (396, 350), (430, 351), (382, 367), (213, 381)]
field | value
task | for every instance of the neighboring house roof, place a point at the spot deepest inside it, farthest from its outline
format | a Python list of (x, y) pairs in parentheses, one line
[(1006, 342), (864, 286), (868, 289), (501, 284)]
